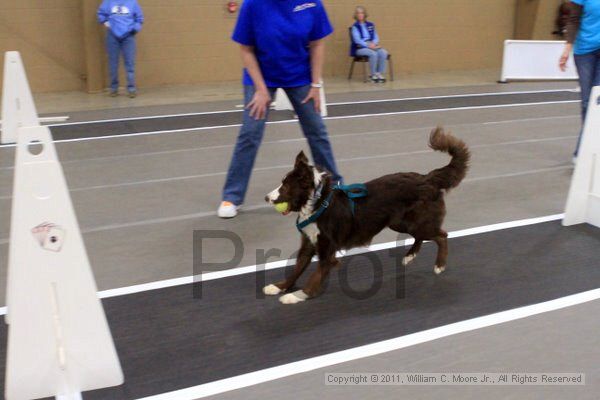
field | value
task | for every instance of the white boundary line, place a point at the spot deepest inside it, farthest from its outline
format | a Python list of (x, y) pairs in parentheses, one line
[(47, 120), (329, 104), (453, 109), (287, 121), (101, 121), (510, 121), (210, 276), (451, 96), (356, 353)]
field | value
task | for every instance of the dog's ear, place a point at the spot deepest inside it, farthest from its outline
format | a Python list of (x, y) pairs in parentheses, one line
[(301, 159)]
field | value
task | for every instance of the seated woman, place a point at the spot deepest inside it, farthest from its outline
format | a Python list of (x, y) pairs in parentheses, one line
[(365, 42)]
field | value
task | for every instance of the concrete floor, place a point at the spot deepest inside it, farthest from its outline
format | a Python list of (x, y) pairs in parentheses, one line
[(139, 199)]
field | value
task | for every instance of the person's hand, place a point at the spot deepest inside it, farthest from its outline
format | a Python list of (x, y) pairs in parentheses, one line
[(258, 106), (107, 24), (562, 63), (315, 95), (372, 46)]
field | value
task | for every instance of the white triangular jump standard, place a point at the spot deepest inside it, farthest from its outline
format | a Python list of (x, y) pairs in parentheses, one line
[(282, 102), (59, 342), (18, 108), (583, 203)]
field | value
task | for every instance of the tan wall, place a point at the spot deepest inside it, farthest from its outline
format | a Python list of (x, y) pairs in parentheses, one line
[(187, 41), (187, 44), (535, 19), (545, 22), (429, 35), (48, 35)]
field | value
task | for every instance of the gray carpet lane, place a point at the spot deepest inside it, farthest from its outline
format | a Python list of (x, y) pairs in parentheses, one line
[(168, 340), (101, 129)]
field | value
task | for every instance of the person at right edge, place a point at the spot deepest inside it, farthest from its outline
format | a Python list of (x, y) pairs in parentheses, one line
[(583, 38)]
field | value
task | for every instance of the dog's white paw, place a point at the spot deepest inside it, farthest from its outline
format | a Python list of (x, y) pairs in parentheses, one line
[(293, 298), (408, 259), (271, 290), (438, 270)]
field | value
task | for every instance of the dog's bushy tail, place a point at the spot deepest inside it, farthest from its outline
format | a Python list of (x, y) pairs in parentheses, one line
[(452, 174)]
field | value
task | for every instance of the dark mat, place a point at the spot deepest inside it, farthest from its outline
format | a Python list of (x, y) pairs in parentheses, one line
[(100, 129), (169, 340)]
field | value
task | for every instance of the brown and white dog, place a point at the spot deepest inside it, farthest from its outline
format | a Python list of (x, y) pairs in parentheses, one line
[(404, 202)]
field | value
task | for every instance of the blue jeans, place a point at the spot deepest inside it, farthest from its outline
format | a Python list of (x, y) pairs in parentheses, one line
[(588, 68), (251, 134), (377, 59), (115, 47)]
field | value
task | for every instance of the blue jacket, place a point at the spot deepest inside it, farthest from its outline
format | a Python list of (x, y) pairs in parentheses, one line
[(124, 16), (360, 36)]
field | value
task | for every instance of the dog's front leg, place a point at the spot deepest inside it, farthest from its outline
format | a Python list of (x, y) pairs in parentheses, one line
[(305, 255), (312, 288)]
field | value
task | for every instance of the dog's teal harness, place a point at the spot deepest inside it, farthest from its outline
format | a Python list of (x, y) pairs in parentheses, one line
[(354, 191)]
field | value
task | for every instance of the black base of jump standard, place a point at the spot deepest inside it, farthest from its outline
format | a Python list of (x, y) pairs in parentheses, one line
[(169, 340)]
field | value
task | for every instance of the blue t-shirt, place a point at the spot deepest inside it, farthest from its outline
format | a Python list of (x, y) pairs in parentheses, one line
[(588, 38), (280, 32)]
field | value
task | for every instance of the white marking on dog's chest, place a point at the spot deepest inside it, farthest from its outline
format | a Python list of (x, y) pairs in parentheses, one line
[(311, 230)]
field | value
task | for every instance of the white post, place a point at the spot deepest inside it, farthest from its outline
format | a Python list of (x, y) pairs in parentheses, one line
[(59, 342), (323, 101), (18, 108), (583, 203), (503, 78), (282, 102)]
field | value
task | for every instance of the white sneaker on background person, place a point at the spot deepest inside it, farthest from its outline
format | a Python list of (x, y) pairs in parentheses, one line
[(227, 210)]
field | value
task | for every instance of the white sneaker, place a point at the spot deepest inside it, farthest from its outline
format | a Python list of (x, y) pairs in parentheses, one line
[(227, 210)]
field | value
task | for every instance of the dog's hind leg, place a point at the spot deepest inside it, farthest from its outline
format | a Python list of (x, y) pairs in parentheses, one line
[(305, 255), (416, 247), (442, 242), (412, 253)]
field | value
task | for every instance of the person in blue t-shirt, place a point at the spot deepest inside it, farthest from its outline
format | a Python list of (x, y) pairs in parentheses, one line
[(365, 42), (583, 38), (123, 19), (282, 47)]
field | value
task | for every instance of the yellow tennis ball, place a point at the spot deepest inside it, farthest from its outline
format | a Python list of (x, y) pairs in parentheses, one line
[(281, 207)]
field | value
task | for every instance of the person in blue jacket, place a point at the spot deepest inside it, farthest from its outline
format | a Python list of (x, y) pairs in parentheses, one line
[(123, 19), (282, 46), (365, 42)]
